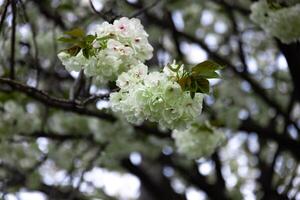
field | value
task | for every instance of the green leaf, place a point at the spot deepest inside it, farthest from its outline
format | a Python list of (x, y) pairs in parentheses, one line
[(206, 67), (89, 38), (183, 82), (76, 32), (206, 128), (103, 41), (85, 53), (203, 85), (196, 80), (66, 40), (274, 5), (81, 44), (104, 38), (73, 51), (208, 75)]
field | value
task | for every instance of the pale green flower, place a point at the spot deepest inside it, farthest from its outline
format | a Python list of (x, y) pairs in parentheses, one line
[(156, 97), (199, 140), (125, 44), (283, 23)]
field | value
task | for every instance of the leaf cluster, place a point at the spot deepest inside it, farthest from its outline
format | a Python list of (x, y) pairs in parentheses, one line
[(274, 5), (78, 40), (196, 80)]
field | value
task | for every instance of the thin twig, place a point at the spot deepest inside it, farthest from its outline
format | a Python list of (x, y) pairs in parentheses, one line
[(49, 13), (77, 86), (101, 14), (36, 56), (94, 98), (146, 8)]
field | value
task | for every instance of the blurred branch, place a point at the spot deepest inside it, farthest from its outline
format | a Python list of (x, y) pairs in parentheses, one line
[(233, 7), (152, 184), (60, 137), (267, 171), (48, 12), (175, 35), (54, 102), (193, 176), (290, 182), (144, 9), (3, 15), (94, 98), (107, 17), (36, 52), (89, 166), (18, 179), (266, 176), (269, 133), (218, 167), (238, 33), (13, 39), (291, 53), (77, 86)]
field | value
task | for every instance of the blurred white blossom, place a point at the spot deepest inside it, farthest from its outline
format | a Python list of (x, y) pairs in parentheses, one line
[(198, 140), (14, 118), (282, 23)]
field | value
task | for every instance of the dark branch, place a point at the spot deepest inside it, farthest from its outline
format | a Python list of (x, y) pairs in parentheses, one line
[(4, 14), (13, 39), (54, 102), (270, 134)]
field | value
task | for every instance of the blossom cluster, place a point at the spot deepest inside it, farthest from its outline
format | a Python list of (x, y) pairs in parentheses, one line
[(281, 22), (172, 97), (117, 46), (14, 118), (155, 96), (198, 140)]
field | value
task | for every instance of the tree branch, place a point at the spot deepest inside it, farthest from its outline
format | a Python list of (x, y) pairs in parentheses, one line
[(13, 39), (55, 102), (269, 133), (4, 14)]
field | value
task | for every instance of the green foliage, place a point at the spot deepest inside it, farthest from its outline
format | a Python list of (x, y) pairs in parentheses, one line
[(196, 80), (77, 40), (274, 5), (279, 4)]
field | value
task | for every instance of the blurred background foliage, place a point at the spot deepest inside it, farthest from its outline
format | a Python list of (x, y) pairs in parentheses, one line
[(55, 149)]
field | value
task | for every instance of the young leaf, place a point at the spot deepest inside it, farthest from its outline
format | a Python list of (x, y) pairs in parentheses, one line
[(85, 53), (76, 32), (183, 82), (73, 51), (196, 80), (207, 75), (89, 38), (206, 67), (66, 40), (203, 85), (274, 5)]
